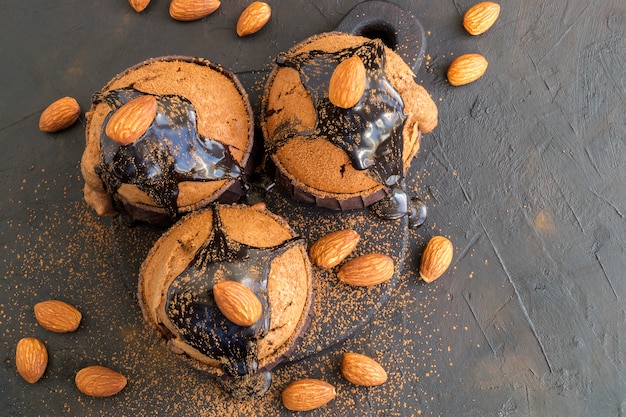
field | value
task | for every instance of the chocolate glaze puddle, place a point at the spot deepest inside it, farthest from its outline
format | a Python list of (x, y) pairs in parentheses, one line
[(398, 204), (418, 212), (191, 308), (169, 152)]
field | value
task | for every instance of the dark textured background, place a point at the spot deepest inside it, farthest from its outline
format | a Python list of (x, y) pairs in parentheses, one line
[(525, 173)]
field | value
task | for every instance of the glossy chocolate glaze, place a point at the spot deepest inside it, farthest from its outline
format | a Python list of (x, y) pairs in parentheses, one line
[(169, 152), (398, 204), (371, 131), (191, 308), (418, 212)]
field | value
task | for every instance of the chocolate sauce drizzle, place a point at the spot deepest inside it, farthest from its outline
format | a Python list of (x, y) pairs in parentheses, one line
[(191, 308), (169, 152), (371, 131)]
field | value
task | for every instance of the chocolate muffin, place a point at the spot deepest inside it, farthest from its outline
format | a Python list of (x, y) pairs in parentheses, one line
[(335, 157), (229, 243), (166, 137)]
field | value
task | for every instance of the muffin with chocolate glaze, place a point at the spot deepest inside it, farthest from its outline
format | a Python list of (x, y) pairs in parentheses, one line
[(166, 137), (229, 244), (335, 157)]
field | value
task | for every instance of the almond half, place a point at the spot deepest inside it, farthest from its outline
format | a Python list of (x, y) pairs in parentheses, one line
[(237, 302), (59, 115), (480, 17), (31, 359), (307, 394), (347, 83), (131, 121), (188, 10), (253, 18), (99, 381), (436, 258), (466, 69), (366, 270), (330, 250), (362, 370), (57, 316)]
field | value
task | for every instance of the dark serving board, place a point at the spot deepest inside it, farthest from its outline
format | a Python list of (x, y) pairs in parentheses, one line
[(525, 173)]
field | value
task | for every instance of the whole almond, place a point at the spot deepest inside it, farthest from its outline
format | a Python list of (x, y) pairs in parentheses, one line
[(347, 83), (99, 381), (330, 250), (362, 370), (366, 270), (253, 18), (466, 69), (307, 394), (237, 302), (480, 17), (59, 115), (131, 121), (188, 10), (31, 359), (436, 258), (139, 5), (57, 316)]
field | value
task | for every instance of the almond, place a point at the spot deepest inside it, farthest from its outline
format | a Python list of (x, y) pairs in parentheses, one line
[(480, 17), (307, 394), (237, 302), (362, 370), (330, 250), (347, 83), (253, 18), (57, 316), (466, 69), (99, 381), (131, 121), (31, 359), (188, 10), (436, 258), (59, 115), (366, 270), (139, 5)]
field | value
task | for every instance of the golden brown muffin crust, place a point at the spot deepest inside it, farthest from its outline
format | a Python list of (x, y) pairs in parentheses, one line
[(289, 282), (223, 114), (326, 170)]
